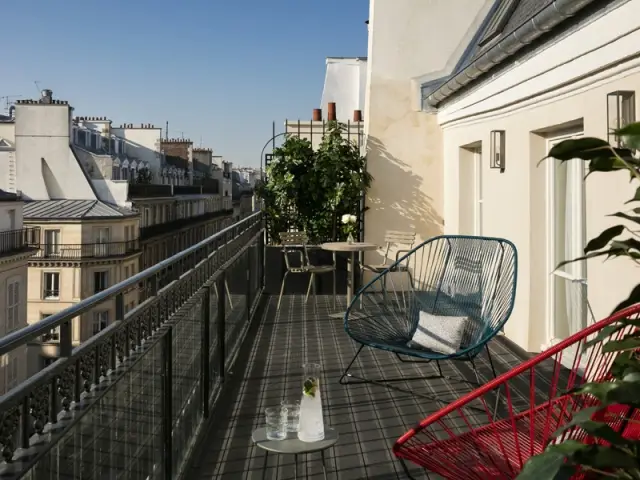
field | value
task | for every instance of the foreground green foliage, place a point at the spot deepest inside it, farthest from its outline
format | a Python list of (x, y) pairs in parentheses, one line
[(310, 190), (616, 457)]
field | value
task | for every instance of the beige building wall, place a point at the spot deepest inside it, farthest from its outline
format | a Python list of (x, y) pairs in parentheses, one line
[(13, 366), (77, 276), (514, 203), (559, 92), (410, 42), (13, 291)]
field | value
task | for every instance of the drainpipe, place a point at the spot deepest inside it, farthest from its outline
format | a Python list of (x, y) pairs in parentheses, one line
[(542, 22)]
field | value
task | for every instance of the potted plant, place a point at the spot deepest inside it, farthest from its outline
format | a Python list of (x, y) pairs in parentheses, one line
[(309, 190), (614, 457)]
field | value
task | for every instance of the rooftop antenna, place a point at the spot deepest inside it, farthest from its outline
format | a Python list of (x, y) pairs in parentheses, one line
[(200, 141), (7, 100), (182, 135), (166, 131), (37, 84)]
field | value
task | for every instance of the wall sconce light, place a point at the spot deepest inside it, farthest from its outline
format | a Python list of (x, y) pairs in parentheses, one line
[(497, 150), (621, 111)]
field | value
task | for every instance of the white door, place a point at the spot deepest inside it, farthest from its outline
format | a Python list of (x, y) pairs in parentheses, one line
[(470, 196), (477, 192), (566, 239)]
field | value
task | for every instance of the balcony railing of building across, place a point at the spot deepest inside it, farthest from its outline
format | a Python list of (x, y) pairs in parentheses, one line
[(87, 250), (144, 190), (130, 401), (173, 225), (21, 240)]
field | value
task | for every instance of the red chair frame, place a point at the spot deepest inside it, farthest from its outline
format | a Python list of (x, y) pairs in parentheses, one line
[(469, 439)]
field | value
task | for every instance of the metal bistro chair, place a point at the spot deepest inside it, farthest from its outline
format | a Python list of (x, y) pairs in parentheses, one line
[(393, 239), (291, 243)]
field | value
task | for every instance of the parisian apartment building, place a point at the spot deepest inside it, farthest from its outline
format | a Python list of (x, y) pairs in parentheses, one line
[(95, 204)]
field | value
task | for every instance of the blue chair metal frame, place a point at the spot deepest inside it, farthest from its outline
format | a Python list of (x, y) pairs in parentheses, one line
[(452, 275)]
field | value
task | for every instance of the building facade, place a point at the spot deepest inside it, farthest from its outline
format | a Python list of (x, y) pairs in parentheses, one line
[(85, 247), (17, 244), (460, 117), (66, 171), (174, 217)]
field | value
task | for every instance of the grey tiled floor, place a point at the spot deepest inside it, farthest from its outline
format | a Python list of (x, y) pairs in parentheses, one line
[(369, 418)]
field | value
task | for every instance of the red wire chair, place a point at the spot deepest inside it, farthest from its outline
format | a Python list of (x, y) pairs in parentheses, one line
[(472, 439)]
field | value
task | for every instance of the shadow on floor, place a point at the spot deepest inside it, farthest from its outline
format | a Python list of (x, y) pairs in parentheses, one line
[(369, 418)]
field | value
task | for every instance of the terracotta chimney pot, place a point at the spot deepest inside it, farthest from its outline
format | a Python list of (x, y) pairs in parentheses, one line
[(357, 115), (317, 114), (331, 113)]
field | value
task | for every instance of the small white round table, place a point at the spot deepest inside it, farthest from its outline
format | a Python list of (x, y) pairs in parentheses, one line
[(292, 446), (352, 248)]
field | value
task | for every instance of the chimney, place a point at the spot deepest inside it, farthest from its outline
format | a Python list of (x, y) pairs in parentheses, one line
[(317, 115), (46, 96), (357, 115), (331, 112)]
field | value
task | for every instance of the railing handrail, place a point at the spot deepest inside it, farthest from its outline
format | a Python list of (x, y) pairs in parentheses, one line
[(17, 230), (44, 245), (30, 332)]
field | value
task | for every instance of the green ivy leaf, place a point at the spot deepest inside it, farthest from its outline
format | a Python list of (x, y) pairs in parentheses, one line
[(636, 197), (604, 238), (632, 299), (612, 392), (549, 465), (629, 342), (603, 334), (633, 129), (626, 216), (585, 148), (605, 164)]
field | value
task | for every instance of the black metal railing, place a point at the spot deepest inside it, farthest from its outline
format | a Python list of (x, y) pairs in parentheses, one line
[(87, 250), (21, 240), (173, 225), (130, 401), (149, 190), (143, 190)]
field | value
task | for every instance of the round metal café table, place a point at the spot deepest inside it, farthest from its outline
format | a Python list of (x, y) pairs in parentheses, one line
[(292, 446), (351, 249)]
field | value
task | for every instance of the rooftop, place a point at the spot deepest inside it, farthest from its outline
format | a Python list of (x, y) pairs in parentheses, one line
[(73, 210), (9, 197)]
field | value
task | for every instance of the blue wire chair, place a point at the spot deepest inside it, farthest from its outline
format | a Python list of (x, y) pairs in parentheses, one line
[(473, 278)]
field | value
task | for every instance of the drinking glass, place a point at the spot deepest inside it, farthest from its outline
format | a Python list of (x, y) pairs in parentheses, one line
[(276, 420), (293, 414)]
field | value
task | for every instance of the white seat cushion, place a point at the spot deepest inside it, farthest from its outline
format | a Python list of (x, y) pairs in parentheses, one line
[(439, 333)]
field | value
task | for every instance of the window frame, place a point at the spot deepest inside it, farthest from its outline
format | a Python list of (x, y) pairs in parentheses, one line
[(45, 285), (102, 275), (12, 320), (99, 317)]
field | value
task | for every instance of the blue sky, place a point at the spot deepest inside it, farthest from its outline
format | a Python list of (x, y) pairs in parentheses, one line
[(220, 70)]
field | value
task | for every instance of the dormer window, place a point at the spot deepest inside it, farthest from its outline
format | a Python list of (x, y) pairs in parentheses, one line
[(81, 138), (94, 142), (501, 16), (112, 146)]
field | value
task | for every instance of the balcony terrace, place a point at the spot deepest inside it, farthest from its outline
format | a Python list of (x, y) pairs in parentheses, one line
[(174, 388), (87, 250), (22, 240)]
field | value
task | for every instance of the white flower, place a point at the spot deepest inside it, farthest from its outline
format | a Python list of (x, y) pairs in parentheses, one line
[(352, 219), (346, 219)]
